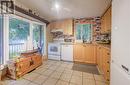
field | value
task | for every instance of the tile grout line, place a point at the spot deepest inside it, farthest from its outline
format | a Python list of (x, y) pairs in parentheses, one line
[(48, 77), (82, 78), (71, 76), (94, 79), (60, 76)]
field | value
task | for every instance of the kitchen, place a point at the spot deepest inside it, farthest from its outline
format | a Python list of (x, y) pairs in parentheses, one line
[(79, 43), (85, 40)]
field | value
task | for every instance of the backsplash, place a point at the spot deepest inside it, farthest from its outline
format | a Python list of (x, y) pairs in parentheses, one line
[(104, 38), (96, 27)]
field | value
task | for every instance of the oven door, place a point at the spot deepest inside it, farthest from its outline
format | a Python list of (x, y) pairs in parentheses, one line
[(53, 49)]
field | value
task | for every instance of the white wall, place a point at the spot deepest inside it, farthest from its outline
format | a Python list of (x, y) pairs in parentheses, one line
[(120, 41)]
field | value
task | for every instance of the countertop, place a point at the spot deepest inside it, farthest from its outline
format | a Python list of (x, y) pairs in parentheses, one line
[(71, 43), (104, 45), (67, 43)]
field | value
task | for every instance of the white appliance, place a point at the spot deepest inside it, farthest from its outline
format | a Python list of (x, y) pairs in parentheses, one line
[(54, 51), (67, 52), (120, 53)]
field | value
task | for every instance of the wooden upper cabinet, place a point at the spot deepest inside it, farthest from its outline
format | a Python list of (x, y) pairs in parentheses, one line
[(51, 26), (106, 22), (65, 25), (68, 27), (102, 25), (57, 25)]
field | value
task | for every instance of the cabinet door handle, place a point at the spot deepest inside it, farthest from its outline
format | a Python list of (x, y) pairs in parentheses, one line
[(108, 53), (108, 62), (108, 71)]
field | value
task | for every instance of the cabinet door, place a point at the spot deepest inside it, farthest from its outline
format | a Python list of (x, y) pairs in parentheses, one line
[(54, 25), (108, 23), (65, 27), (105, 22), (102, 24), (89, 54), (58, 25), (70, 27), (99, 58), (106, 63), (51, 26), (78, 53)]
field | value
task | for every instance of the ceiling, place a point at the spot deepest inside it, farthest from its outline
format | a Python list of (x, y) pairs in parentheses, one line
[(62, 9)]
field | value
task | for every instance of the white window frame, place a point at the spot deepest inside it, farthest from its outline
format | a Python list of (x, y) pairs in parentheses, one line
[(44, 28), (81, 40), (6, 33)]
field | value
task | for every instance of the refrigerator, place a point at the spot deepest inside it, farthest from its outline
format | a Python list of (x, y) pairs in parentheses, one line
[(120, 45)]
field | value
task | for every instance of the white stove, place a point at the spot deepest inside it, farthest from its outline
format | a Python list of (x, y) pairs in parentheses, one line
[(54, 49)]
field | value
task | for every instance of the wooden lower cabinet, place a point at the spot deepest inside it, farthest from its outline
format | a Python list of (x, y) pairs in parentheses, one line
[(93, 54), (78, 53), (99, 58), (106, 64), (85, 53), (103, 61), (90, 56), (106, 22)]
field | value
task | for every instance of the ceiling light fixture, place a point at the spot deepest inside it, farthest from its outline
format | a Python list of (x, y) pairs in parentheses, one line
[(57, 6)]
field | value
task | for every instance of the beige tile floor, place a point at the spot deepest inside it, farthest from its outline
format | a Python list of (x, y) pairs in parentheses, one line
[(56, 73)]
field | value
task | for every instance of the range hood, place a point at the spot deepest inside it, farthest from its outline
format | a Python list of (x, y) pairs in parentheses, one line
[(57, 30)]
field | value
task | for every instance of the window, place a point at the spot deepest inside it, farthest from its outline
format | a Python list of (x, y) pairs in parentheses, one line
[(18, 36), (38, 37), (78, 32), (1, 39), (24, 35), (84, 33)]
